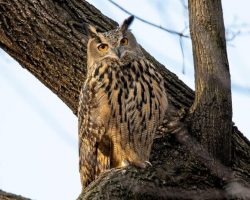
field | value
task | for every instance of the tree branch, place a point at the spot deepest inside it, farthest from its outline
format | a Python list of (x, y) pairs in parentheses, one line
[(9, 196)]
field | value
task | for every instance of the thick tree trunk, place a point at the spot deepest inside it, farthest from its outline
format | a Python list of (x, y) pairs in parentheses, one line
[(211, 112), (43, 36)]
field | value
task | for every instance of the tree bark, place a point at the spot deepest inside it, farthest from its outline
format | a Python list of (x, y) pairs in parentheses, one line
[(211, 112), (9, 196), (44, 36)]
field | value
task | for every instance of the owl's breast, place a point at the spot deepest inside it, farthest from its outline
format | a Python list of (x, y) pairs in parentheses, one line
[(129, 93)]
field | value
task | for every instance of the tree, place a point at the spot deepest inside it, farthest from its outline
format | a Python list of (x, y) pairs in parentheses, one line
[(59, 61)]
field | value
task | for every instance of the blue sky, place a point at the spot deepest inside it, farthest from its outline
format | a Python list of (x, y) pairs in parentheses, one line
[(38, 133)]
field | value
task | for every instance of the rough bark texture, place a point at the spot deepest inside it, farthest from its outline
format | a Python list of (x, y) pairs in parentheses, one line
[(43, 36), (9, 196), (212, 108)]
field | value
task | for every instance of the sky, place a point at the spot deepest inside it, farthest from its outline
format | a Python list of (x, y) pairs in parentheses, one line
[(38, 132)]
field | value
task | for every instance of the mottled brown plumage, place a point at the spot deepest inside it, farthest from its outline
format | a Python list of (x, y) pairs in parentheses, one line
[(122, 103)]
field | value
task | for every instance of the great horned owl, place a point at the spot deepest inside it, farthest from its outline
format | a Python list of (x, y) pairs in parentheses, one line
[(122, 103)]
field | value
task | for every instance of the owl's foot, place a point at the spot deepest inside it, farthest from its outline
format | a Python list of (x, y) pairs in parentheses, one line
[(115, 169), (148, 163), (140, 164), (126, 163)]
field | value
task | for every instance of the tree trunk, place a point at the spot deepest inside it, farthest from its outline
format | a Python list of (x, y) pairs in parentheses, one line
[(211, 112), (44, 36)]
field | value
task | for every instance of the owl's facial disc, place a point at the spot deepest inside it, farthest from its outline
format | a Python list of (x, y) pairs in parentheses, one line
[(118, 44), (120, 49)]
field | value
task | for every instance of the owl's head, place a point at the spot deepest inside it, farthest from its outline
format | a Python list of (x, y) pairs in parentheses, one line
[(118, 44)]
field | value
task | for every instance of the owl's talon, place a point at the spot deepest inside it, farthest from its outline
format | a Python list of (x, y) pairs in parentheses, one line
[(141, 165), (148, 163), (125, 163)]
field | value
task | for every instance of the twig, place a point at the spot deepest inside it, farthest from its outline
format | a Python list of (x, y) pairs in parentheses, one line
[(182, 51), (149, 23), (183, 4), (236, 29), (182, 54)]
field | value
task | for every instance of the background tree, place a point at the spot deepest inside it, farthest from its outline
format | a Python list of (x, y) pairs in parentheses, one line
[(59, 60)]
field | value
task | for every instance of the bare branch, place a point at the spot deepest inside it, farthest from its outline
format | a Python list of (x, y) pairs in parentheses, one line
[(183, 3), (182, 50), (236, 29), (150, 23)]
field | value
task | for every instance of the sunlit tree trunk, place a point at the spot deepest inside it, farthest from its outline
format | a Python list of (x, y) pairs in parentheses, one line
[(212, 109)]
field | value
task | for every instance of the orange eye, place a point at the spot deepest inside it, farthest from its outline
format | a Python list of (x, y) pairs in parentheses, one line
[(124, 41), (103, 47)]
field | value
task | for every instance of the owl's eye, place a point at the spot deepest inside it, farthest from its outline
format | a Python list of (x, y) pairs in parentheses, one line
[(124, 41), (103, 47)]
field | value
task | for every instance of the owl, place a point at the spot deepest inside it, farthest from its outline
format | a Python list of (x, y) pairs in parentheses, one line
[(122, 102)]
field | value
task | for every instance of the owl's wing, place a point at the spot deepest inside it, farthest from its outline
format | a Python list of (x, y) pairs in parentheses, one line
[(147, 113), (87, 141), (93, 158), (154, 100)]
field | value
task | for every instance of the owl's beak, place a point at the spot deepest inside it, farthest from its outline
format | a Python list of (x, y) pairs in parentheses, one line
[(116, 53)]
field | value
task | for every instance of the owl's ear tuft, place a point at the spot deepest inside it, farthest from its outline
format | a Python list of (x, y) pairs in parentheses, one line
[(127, 22), (91, 31)]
